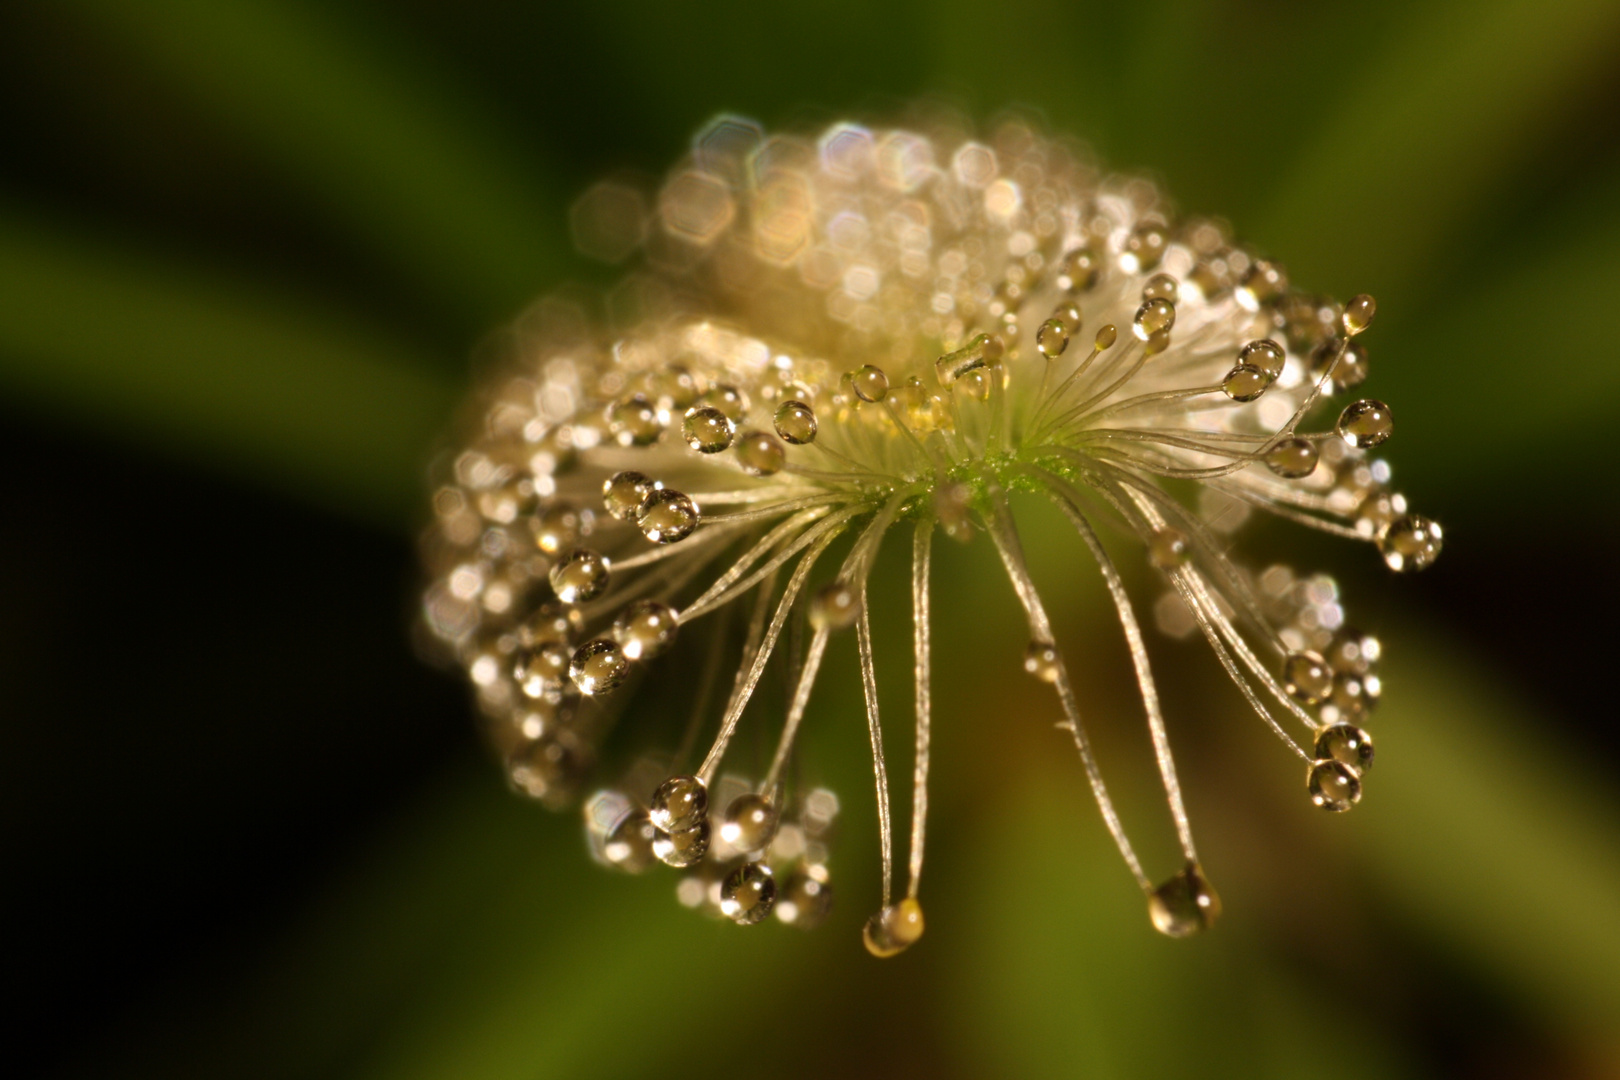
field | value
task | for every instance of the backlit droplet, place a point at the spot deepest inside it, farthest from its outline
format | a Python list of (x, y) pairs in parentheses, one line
[(1365, 424), (683, 847), (748, 894), (707, 430), (834, 606), (1052, 338), (1185, 905), (1144, 248), (760, 453), (894, 929), (728, 399), (1082, 267), (1168, 549), (1245, 383), (623, 492), (540, 669), (552, 622), (1353, 653), (1264, 354), (645, 629), (557, 527), (1307, 678), (666, 516), (598, 667), (628, 846), (1106, 336), (1153, 317), (679, 803), (1293, 458), (1346, 744), (796, 422), (1333, 785), (1412, 542), (1070, 315), (580, 576), (1353, 697), (1156, 343), (1262, 283), (750, 822), (805, 899), (634, 421), (869, 383), (1042, 661), (673, 387), (1160, 287), (975, 384), (1358, 314), (1351, 368)]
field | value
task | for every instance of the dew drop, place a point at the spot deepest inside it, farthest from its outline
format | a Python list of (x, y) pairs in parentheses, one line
[(1333, 785), (633, 420), (666, 516), (894, 929), (1264, 354), (1042, 661), (750, 823), (796, 422), (1358, 314), (1245, 383), (1153, 317), (645, 629), (1307, 678), (869, 383), (598, 667), (834, 606), (805, 898), (1365, 424), (580, 576), (707, 430), (728, 399), (683, 847), (623, 492), (1412, 542), (760, 453), (1293, 459), (679, 803), (1346, 744), (748, 894), (1160, 287), (541, 668), (1168, 549), (1052, 338), (1184, 905)]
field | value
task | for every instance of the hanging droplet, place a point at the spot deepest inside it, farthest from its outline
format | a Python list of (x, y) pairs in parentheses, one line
[(557, 527), (1293, 459), (1185, 905), (1144, 247), (542, 668), (1160, 287), (1348, 745), (750, 822), (869, 383), (1262, 283), (894, 929), (1106, 336), (707, 430), (580, 576), (683, 847), (623, 491), (1307, 678), (634, 421), (805, 899), (1245, 383), (1264, 354), (834, 606), (760, 453), (679, 803), (748, 894), (598, 667), (1168, 549), (1333, 785), (1412, 542), (1052, 338), (1041, 660), (796, 422), (728, 399), (1358, 314), (1082, 267), (645, 629), (1365, 424), (1153, 317), (628, 846), (666, 516)]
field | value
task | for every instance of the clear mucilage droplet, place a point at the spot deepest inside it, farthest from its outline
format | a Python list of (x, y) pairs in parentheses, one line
[(1042, 661), (834, 606), (623, 492), (805, 899), (580, 576), (1365, 424), (1293, 459), (1184, 905), (666, 516), (683, 847), (1412, 542), (678, 803), (869, 384), (1168, 549), (1052, 338), (748, 894), (707, 430), (1264, 354), (634, 421), (1346, 744), (1245, 383), (728, 399), (750, 823), (1160, 287), (542, 668), (796, 422), (1333, 785), (760, 453), (598, 667), (894, 929), (645, 629), (557, 527), (1307, 678), (1358, 314), (1153, 317)]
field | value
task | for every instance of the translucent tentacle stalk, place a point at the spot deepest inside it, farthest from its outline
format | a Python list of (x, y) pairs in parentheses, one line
[(921, 556)]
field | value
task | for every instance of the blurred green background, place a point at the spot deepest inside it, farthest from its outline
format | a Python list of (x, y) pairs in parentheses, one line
[(246, 249)]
